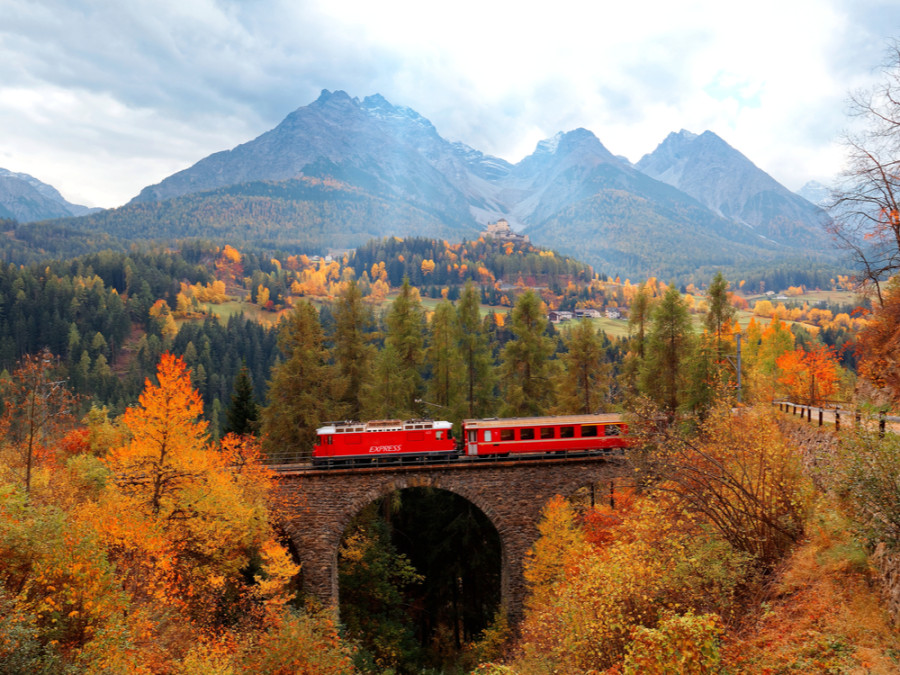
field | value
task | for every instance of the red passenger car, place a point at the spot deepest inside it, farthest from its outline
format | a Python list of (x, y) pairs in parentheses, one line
[(383, 439), (527, 435)]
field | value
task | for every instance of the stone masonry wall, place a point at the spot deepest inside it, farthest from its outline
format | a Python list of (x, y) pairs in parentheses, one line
[(315, 508)]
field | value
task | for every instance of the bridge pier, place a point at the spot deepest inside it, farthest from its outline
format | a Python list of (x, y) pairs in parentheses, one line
[(316, 506)]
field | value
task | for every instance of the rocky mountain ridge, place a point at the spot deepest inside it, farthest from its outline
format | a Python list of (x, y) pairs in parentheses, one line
[(571, 193), (26, 199)]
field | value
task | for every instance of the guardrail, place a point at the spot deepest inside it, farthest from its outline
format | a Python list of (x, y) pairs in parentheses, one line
[(836, 414)]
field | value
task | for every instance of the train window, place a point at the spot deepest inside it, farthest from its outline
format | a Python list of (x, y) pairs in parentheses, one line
[(567, 432), (507, 434), (439, 434), (327, 440), (415, 436), (487, 435), (526, 434), (588, 430), (548, 432), (473, 436), (612, 430)]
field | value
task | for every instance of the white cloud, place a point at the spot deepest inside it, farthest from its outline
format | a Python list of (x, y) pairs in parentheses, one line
[(103, 98)]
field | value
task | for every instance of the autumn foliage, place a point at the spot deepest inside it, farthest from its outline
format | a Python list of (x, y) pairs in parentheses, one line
[(158, 556)]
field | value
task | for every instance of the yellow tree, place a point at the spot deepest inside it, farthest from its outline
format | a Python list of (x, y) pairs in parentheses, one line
[(181, 518), (168, 438)]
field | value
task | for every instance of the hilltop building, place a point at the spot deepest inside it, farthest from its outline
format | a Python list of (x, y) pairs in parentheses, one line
[(502, 231)]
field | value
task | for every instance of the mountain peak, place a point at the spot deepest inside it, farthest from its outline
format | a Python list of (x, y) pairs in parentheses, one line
[(721, 178), (567, 141)]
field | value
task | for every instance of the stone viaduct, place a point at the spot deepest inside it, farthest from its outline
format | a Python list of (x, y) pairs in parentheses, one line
[(316, 506)]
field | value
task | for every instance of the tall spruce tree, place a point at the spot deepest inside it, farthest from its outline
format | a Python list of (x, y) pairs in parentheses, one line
[(663, 374), (406, 337), (445, 365), (720, 313), (585, 383), (243, 413), (304, 389), (526, 370), (353, 354), (478, 363)]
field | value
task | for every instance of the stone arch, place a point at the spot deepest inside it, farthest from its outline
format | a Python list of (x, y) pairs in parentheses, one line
[(316, 506), (405, 482)]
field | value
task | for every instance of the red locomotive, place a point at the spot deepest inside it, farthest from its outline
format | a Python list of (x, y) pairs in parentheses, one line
[(398, 440), (383, 439)]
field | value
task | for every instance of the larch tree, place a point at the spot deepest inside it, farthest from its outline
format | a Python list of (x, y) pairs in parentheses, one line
[(445, 364), (352, 352), (585, 383), (720, 314), (181, 519), (406, 337), (663, 375), (527, 371), (638, 319), (168, 438), (304, 389), (476, 355), (37, 409)]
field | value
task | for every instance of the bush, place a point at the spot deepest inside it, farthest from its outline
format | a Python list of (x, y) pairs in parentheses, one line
[(865, 473), (680, 645)]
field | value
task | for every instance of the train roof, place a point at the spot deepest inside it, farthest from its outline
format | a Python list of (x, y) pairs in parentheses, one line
[(553, 420), (381, 425)]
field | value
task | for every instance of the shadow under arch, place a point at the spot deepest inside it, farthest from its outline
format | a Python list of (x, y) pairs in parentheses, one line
[(449, 540)]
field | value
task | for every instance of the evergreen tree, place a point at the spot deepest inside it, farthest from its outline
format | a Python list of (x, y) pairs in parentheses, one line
[(243, 414), (720, 313), (353, 354), (476, 355), (585, 382), (704, 376), (445, 365), (638, 318), (406, 336), (386, 394), (663, 375), (303, 389), (526, 370)]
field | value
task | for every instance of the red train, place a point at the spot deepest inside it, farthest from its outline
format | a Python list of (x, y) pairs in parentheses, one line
[(399, 440)]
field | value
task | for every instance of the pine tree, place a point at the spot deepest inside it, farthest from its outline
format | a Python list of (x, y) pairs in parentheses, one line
[(585, 383), (476, 355), (526, 370), (303, 389), (639, 317), (405, 335), (353, 355), (243, 413), (445, 387), (663, 375), (720, 313)]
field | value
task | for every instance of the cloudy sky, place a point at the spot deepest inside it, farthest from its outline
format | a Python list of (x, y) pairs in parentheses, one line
[(100, 98)]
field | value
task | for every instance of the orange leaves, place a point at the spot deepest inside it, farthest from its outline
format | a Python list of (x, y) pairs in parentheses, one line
[(809, 377), (168, 439), (879, 343), (600, 522), (583, 616)]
